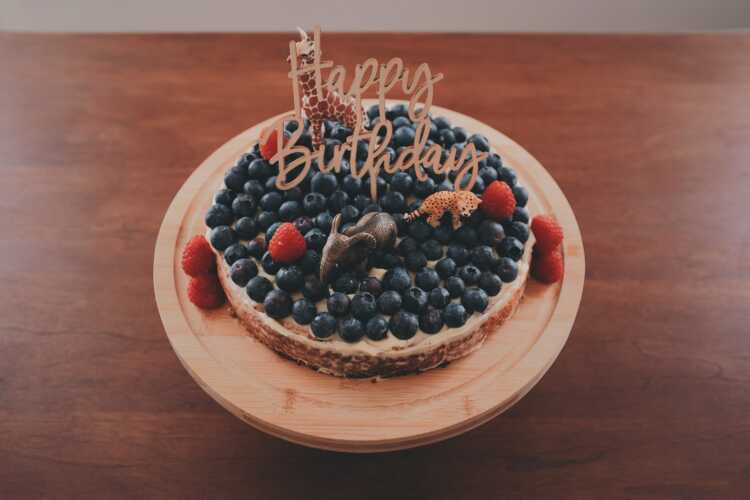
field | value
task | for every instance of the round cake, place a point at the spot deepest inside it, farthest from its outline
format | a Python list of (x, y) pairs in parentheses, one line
[(428, 295)]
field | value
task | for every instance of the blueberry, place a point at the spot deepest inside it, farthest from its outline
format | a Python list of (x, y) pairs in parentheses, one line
[(439, 297), (346, 283), (415, 261), (258, 287), (310, 262), (268, 264), (266, 220), (290, 210), (480, 142), (511, 247), (469, 274), (507, 269), (460, 133), (313, 289), (519, 230), (303, 224), (446, 185), (351, 330), (324, 325), (474, 300), (397, 110), (447, 138), (323, 222), (341, 133), (403, 325), (484, 257), (488, 175), (244, 205), (271, 202), (402, 182), (443, 234), (507, 175), (245, 228), (361, 201), (520, 214), (224, 197), (431, 320), (442, 123), (349, 214), (397, 279), (491, 233), (338, 304), (278, 304), (242, 270), (455, 286), (393, 202), (290, 278), (219, 215), (402, 226), (478, 187), (403, 136), (521, 194), (445, 267), (427, 279), (363, 306), (235, 252), (401, 121), (490, 283), (221, 237), (454, 315), (324, 183), (315, 239), (467, 235), (425, 188), (494, 161), (373, 112), (420, 230), (371, 285), (272, 230), (303, 311), (432, 249), (256, 248), (259, 170), (390, 261), (414, 299), (376, 328), (389, 302), (337, 201), (235, 178), (459, 254), (351, 185), (314, 203), (407, 245)]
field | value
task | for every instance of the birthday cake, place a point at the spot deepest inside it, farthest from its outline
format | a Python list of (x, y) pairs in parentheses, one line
[(371, 242)]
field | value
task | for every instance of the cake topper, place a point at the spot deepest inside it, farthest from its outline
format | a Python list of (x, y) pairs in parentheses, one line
[(321, 100), (376, 230), (457, 203)]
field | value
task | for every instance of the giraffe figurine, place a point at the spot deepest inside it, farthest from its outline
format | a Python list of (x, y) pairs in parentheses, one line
[(330, 105)]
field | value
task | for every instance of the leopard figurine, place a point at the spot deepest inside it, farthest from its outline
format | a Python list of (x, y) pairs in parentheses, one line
[(458, 203)]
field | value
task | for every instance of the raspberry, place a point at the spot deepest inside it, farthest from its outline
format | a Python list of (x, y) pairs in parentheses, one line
[(268, 146), (287, 244), (547, 232), (547, 267), (205, 291), (197, 257), (498, 201)]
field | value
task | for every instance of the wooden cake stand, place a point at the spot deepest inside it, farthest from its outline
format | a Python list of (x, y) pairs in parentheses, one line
[(298, 404)]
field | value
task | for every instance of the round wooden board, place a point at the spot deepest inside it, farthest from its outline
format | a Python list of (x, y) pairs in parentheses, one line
[(298, 404)]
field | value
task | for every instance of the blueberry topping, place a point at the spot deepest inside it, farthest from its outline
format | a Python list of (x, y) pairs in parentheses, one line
[(427, 279), (520, 214), (432, 249), (490, 283), (346, 283), (349, 213), (425, 188), (511, 247), (420, 230), (494, 161), (224, 197), (491, 233), (389, 302), (483, 257), (439, 297), (338, 304), (324, 325), (447, 138), (507, 269), (403, 136), (508, 176), (313, 289), (521, 194), (314, 203), (289, 210), (351, 185), (323, 221), (455, 286), (518, 230), (488, 175), (255, 249), (363, 306), (415, 299), (402, 182), (351, 330), (290, 278), (403, 325), (480, 141), (407, 245), (242, 271), (337, 201), (315, 239), (303, 311), (221, 237), (303, 224), (266, 220), (219, 215), (393, 202), (431, 320), (271, 202), (445, 267), (467, 235), (443, 234), (474, 300), (235, 178), (454, 315), (258, 287), (269, 265), (397, 279), (469, 274), (324, 183), (391, 260), (270, 184), (245, 228), (460, 133), (371, 285), (259, 170), (459, 254), (278, 304), (376, 328), (235, 252)]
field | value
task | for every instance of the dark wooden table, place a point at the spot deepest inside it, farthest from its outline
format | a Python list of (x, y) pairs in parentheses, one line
[(649, 137)]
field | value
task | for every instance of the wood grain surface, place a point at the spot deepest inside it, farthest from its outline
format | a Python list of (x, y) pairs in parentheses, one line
[(648, 136)]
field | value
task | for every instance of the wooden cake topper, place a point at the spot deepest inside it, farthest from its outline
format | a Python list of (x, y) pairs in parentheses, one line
[(330, 101)]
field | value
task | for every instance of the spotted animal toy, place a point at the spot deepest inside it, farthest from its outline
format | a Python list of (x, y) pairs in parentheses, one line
[(330, 105), (458, 203)]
